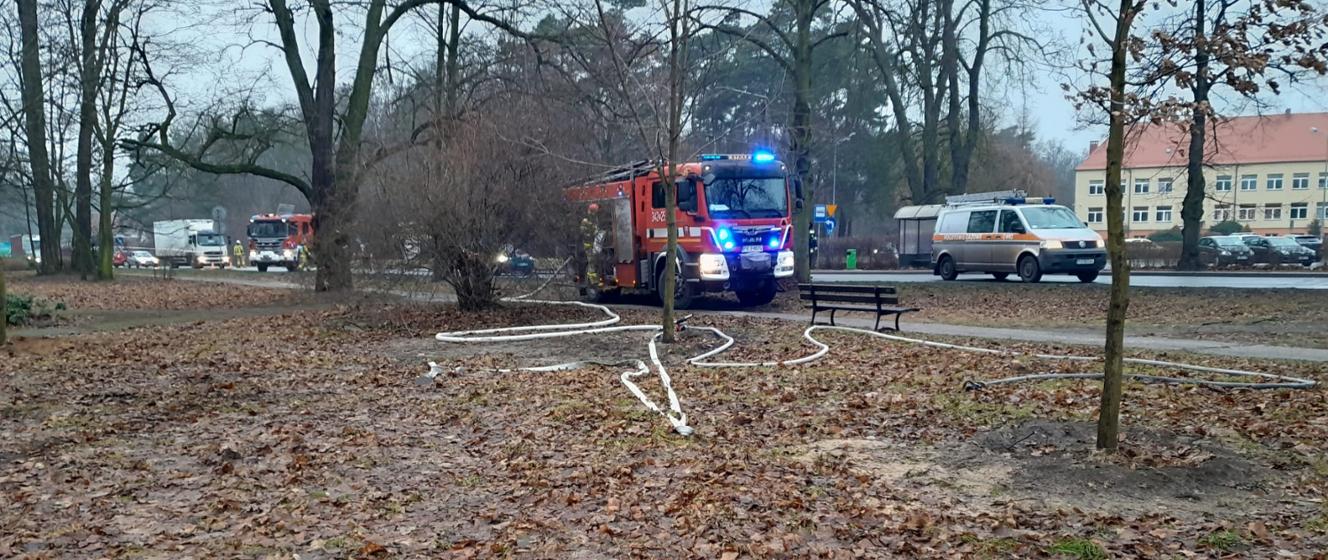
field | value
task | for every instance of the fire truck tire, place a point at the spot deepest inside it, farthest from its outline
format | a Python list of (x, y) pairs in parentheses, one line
[(684, 295), (262, 267), (292, 267), (760, 296)]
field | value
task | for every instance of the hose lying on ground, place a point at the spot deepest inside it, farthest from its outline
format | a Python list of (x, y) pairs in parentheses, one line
[(678, 419)]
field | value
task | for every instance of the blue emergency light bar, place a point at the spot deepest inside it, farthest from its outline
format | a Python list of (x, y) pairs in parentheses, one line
[(759, 156), (1016, 200)]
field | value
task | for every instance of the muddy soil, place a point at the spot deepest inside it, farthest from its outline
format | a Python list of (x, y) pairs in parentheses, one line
[(1051, 465)]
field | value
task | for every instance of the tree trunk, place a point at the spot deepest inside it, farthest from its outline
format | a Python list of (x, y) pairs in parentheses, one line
[(34, 113), (1191, 212), (105, 233), (801, 138), (4, 308), (677, 50), (89, 80), (1108, 424)]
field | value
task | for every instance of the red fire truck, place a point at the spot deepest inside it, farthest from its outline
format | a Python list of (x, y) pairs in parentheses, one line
[(734, 220), (276, 239)]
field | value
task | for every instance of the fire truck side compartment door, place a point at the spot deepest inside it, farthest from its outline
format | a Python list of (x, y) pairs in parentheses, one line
[(622, 231)]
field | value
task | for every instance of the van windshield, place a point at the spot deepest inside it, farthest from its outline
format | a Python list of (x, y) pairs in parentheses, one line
[(1051, 217)]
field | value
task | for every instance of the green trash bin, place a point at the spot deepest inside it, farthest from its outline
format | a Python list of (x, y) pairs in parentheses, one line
[(851, 259)]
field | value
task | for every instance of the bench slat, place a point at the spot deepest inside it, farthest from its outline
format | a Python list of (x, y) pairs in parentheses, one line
[(842, 299), (845, 289)]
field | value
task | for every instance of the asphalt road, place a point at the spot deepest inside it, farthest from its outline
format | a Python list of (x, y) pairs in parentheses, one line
[(1250, 280)]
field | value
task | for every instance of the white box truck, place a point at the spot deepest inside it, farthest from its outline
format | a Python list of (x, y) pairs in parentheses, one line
[(189, 243)]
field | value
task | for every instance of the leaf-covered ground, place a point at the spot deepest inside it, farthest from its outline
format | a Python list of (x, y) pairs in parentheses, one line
[(1281, 317), (138, 292), (306, 434)]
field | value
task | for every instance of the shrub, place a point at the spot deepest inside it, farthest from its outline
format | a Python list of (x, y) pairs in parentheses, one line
[(1173, 234), (1226, 228), (22, 309)]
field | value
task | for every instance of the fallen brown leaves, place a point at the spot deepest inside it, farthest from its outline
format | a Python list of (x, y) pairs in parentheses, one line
[(139, 293), (305, 435)]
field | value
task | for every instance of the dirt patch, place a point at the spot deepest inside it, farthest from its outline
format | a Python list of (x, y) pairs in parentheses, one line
[(1052, 465)]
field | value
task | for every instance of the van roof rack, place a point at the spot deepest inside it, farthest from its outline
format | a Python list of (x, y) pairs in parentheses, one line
[(994, 197)]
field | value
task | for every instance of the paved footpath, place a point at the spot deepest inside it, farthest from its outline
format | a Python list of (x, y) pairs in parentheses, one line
[(1062, 336)]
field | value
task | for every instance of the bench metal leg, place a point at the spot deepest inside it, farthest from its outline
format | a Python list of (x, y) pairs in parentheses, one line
[(878, 322), (832, 317), (897, 316)]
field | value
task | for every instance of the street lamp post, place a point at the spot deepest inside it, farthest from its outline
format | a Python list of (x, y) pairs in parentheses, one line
[(834, 169)]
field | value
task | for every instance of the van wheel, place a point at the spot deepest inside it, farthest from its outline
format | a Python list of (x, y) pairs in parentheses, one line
[(1000, 276), (1087, 277), (1029, 269), (947, 268), (683, 295)]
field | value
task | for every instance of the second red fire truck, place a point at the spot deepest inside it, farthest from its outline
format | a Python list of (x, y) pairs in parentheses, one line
[(734, 220)]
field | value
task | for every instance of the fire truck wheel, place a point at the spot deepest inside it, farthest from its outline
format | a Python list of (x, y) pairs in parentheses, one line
[(683, 294), (262, 267), (760, 296)]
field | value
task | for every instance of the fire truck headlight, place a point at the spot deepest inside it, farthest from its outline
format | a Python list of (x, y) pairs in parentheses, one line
[(713, 267), (784, 264), (202, 259), (502, 258), (288, 254)]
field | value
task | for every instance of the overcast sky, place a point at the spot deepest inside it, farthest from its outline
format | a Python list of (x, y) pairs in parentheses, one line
[(232, 60)]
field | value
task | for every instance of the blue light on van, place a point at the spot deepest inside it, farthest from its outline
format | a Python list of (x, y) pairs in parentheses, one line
[(762, 156), (1048, 200)]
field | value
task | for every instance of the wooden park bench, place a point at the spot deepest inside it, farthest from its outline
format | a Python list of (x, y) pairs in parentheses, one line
[(881, 300)]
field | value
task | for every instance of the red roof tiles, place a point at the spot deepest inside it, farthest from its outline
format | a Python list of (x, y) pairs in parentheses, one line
[(1259, 139)]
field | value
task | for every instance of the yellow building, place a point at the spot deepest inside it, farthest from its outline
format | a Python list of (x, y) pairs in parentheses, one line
[(1269, 173)]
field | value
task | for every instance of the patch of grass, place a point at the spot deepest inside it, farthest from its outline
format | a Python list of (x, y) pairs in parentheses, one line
[(1226, 541), (965, 408), (1079, 548)]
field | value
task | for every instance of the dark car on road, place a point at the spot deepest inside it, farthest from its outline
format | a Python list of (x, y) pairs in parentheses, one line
[(1311, 242), (1224, 250), (1279, 250)]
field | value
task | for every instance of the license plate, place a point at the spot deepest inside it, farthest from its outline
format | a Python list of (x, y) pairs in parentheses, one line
[(1083, 261), (1241, 258), (752, 248)]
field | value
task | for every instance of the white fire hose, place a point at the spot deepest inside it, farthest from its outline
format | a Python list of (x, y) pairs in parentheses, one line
[(678, 419)]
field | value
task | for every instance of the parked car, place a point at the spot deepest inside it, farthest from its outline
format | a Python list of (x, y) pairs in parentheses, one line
[(119, 259), (1224, 250), (1279, 250), (516, 262), (141, 259), (1311, 242)]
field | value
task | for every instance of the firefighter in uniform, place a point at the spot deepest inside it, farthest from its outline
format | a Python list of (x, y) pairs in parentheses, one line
[(588, 263), (237, 255)]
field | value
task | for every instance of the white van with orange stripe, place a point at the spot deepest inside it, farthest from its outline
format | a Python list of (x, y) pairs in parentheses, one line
[(1014, 236)]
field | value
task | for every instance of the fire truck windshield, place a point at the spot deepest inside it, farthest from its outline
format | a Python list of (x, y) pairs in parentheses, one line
[(739, 197), (267, 229)]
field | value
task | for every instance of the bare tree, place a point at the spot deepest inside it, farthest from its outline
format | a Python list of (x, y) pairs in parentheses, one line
[(39, 160), (1111, 26), (1240, 47), (794, 51), (335, 141)]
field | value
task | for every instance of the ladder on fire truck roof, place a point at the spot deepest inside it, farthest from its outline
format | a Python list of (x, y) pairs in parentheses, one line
[(996, 197), (626, 172)]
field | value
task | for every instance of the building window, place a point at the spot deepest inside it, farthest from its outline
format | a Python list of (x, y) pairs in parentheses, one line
[(1323, 180), (1095, 215), (1300, 181), (1163, 213), (1274, 181), (1164, 185), (1322, 210), (1246, 212), (1249, 182), (1272, 211), (1223, 183), (1141, 186), (1300, 210), (1096, 188), (1222, 213), (1140, 214)]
